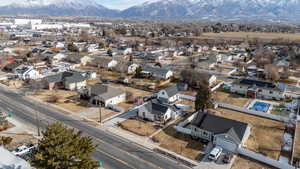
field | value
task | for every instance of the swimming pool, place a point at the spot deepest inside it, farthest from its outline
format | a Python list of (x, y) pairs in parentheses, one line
[(261, 106)]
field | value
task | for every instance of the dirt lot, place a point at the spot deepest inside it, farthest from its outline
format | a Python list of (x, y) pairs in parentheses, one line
[(63, 98), (179, 143), (93, 113), (252, 35), (245, 163), (230, 98), (139, 127), (266, 135), (297, 147)]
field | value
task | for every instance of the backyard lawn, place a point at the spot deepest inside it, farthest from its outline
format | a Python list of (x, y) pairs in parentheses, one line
[(266, 135), (179, 143), (62, 98), (230, 98), (142, 128)]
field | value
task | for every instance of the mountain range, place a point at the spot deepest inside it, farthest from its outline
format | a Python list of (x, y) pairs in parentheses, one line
[(230, 10)]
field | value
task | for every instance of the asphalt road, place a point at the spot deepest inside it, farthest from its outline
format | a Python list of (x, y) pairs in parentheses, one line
[(113, 151)]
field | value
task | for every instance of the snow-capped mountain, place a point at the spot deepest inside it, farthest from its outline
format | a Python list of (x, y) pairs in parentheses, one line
[(242, 10), (217, 9), (55, 7)]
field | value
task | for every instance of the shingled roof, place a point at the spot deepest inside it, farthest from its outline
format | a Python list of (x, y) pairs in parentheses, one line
[(220, 125), (70, 77), (104, 91)]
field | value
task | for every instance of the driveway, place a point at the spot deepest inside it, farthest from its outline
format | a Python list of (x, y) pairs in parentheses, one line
[(120, 118), (208, 164)]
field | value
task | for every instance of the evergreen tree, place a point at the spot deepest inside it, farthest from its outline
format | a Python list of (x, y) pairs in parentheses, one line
[(63, 148), (203, 97)]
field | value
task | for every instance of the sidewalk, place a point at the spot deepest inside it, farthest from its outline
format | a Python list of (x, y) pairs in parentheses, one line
[(144, 142)]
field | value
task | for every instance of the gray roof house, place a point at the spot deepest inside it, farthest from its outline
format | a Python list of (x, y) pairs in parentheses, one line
[(157, 72), (104, 95), (227, 133), (168, 95), (67, 80), (157, 111)]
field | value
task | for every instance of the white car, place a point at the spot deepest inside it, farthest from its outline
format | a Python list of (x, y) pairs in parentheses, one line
[(215, 153), (23, 150)]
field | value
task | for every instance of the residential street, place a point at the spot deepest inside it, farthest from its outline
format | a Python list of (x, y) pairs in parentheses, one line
[(113, 151)]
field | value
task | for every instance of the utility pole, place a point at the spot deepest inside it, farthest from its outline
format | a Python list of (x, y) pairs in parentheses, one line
[(100, 113), (37, 122)]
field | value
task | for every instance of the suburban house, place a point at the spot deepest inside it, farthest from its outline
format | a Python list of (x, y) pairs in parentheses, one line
[(85, 60), (258, 89), (104, 95), (132, 68), (157, 72), (58, 57), (155, 111), (106, 63), (66, 80), (168, 95), (226, 133), (27, 72)]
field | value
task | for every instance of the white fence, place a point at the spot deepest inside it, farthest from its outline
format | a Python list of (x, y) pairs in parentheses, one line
[(187, 97), (181, 126), (252, 112), (264, 159), (218, 73), (217, 86)]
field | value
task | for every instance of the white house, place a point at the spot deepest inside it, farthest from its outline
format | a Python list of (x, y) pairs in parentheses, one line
[(168, 95), (155, 112), (157, 72), (58, 57), (27, 72), (258, 89), (228, 134), (85, 60), (132, 68), (104, 95), (60, 45), (127, 51)]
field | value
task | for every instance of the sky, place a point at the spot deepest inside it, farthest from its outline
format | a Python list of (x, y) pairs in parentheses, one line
[(120, 4)]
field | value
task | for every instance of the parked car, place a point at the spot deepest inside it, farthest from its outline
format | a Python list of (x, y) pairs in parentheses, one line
[(227, 158), (215, 153), (23, 150)]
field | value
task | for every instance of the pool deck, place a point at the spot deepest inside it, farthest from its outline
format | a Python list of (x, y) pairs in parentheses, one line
[(272, 104)]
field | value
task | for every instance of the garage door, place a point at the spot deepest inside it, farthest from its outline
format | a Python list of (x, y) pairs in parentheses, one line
[(227, 145)]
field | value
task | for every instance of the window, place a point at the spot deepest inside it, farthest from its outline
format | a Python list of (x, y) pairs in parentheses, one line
[(259, 90), (271, 92), (205, 133)]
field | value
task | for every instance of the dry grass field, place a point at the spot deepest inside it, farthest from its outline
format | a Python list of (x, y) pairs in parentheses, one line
[(139, 127), (179, 143), (297, 147), (252, 35), (266, 135), (230, 98), (245, 163), (63, 98)]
